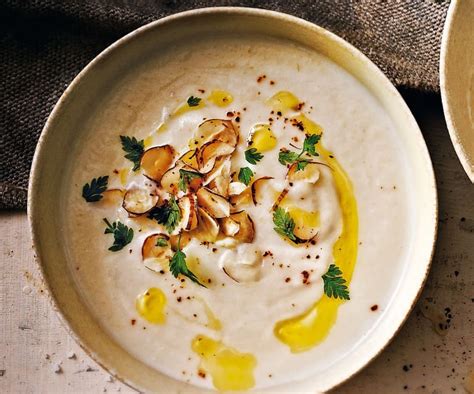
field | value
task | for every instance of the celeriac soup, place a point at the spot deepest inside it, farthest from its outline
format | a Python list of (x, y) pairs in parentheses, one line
[(237, 213)]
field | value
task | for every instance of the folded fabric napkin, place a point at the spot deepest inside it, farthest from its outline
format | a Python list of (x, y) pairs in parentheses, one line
[(44, 44)]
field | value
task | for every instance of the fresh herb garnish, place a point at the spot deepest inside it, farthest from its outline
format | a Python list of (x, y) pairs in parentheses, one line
[(123, 235), (185, 177), (285, 226), (253, 156), (193, 101), (134, 150), (167, 214), (93, 192), (161, 242), (178, 265), (334, 284), (309, 144), (309, 147), (245, 175)]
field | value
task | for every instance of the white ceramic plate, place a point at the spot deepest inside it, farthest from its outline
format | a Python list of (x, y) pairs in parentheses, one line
[(457, 80), (91, 85)]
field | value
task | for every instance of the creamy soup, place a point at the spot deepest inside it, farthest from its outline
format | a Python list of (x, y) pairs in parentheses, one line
[(237, 212)]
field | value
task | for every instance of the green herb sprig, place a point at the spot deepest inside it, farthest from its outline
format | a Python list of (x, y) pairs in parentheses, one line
[(285, 225), (167, 214), (334, 284), (193, 101), (253, 156), (123, 235), (246, 175), (309, 148), (93, 192), (178, 265), (134, 150)]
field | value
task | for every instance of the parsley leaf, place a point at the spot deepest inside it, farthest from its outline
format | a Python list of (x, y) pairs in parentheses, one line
[(193, 101), (284, 224), (245, 175), (309, 147), (334, 284), (253, 156), (178, 265), (162, 242), (122, 234), (301, 164), (309, 144), (167, 214), (287, 157), (185, 177), (134, 150), (93, 192)]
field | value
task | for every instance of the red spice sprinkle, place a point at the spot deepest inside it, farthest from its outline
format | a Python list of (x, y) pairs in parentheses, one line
[(373, 308), (201, 374), (267, 253), (115, 171), (179, 299), (279, 113), (214, 250), (287, 280), (133, 321), (305, 277), (261, 78), (230, 114), (299, 106), (272, 82), (237, 119), (201, 91)]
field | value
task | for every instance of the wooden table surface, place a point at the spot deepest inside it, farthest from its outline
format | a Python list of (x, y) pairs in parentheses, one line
[(433, 353)]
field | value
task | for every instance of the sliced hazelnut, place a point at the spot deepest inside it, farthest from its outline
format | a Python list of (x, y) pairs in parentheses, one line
[(216, 205), (188, 206), (156, 161), (246, 233), (138, 201), (229, 226), (207, 229)]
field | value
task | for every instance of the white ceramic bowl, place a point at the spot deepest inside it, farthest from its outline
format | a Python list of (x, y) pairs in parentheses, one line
[(47, 179)]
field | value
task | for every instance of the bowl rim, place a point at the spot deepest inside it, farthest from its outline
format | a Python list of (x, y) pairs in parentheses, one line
[(456, 138), (40, 153)]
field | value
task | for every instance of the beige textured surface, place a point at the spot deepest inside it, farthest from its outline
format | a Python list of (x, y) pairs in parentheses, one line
[(32, 341)]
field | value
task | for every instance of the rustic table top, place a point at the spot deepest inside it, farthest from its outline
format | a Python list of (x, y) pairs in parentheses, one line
[(432, 353)]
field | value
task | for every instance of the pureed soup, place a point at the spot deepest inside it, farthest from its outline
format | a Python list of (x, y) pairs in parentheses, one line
[(238, 212)]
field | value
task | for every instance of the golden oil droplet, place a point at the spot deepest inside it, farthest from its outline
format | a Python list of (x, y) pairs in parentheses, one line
[(221, 98), (148, 142), (283, 101), (308, 126), (229, 369), (151, 305), (123, 174), (262, 138)]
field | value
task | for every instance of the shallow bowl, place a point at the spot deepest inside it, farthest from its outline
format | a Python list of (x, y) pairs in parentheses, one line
[(87, 89)]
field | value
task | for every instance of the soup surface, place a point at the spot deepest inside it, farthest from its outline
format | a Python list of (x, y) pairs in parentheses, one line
[(238, 212)]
